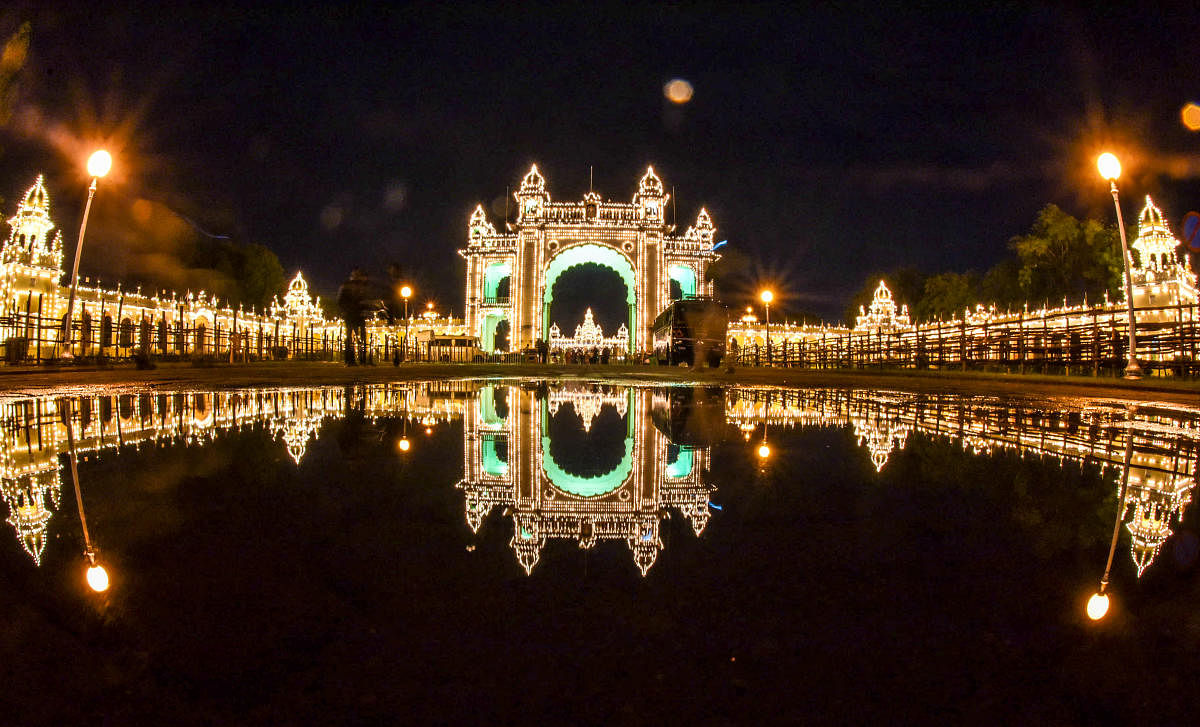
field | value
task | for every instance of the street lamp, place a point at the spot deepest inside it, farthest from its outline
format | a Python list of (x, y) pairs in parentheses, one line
[(1110, 169), (98, 165), (405, 293), (767, 296)]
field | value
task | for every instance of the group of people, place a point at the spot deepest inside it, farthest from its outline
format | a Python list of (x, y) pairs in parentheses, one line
[(593, 355)]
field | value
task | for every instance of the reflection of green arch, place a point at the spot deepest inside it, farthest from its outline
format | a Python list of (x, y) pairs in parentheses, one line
[(590, 253), (487, 405), (487, 329), (493, 463), (495, 273), (682, 466), (686, 277), (587, 486)]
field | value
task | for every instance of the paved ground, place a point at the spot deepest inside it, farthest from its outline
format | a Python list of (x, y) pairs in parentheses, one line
[(31, 381)]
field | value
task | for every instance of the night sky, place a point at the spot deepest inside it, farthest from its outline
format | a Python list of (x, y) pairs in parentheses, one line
[(827, 144)]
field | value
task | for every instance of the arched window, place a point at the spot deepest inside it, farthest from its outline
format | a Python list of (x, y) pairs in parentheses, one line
[(125, 337)]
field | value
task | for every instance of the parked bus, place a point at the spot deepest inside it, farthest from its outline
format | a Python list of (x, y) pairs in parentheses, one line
[(450, 349), (686, 325)]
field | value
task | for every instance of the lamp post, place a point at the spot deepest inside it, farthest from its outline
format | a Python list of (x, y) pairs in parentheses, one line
[(98, 165), (405, 293), (1110, 169), (767, 296)]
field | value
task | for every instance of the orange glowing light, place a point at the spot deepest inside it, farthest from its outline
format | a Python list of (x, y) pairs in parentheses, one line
[(678, 91), (1191, 116)]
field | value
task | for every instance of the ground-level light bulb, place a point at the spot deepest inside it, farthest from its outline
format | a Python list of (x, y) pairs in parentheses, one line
[(1097, 606), (97, 578)]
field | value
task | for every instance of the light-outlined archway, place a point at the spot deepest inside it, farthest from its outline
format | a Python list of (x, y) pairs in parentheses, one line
[(634, 239), (590, 254)]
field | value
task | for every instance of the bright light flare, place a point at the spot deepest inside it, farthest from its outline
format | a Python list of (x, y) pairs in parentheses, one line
[(678, 91), (767, 296), (99, 163), (404, 445), (764, 451), (1190, 114), (1109, 166), (405, 292), (1097, 606), (97, 578)]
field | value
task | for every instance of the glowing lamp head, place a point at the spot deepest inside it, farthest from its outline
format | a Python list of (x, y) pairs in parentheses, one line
[(764, 451), (428, 431), (429, 305), (405, 292), (97, 578), (678, 91), (1097, 606), (99, 163), (767, 296), (404, 444), (1109, 166)]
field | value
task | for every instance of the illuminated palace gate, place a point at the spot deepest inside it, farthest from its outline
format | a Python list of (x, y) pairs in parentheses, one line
[(549, 238)]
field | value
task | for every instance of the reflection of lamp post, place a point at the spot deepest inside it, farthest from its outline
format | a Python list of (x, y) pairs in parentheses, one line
[(98, 165), (763, 450), (405, 292), (1097, 605), (97, 577), (767, 296), (1110, 169), (404, 445)]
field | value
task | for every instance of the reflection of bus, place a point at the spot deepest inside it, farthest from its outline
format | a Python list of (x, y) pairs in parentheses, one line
[(447, 348), (688, 323)]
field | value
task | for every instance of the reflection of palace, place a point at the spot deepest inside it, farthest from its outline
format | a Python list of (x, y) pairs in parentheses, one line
[(508, 459), (508, 462), (1165, 446)]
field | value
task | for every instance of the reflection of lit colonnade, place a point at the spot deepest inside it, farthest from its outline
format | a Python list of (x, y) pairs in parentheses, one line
[(508, 463), (33, 435), (1165, 441)]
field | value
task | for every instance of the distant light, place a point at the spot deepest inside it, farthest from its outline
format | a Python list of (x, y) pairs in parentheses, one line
[(99, 163), (1097, 606), (767, 296), (404, 444), (1109, 166), (1191, 116), (678, 91), (428, 431), (97, 578), (764, 451)]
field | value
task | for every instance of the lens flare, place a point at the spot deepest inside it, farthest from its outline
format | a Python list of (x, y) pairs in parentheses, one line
[(1191, 116), (678, 91)]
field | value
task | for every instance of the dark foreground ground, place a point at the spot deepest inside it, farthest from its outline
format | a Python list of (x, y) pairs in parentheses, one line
[(31, 381)]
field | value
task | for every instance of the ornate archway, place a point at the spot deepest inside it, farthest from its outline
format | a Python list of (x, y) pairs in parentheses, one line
[(549, 238)]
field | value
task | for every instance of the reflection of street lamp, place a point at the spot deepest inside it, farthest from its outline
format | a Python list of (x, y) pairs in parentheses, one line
[(1097, 605), (767, 296), (97, 577), (763, 450), (98, 165), (405, 292), (1110, 169)]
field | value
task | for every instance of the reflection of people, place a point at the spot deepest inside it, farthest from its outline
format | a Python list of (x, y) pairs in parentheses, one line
[(543, 349), (235, 343)]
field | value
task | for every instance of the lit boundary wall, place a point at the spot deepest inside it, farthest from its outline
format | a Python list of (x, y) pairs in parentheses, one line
[(632, 238)]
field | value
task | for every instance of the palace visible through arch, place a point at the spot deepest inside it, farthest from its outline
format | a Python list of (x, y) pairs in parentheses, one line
[(549, 238)]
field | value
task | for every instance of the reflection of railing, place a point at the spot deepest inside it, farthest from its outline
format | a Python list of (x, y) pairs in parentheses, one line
[(496, 300)]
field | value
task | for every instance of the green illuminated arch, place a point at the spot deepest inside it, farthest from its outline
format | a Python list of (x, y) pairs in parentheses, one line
[(493, 463), (487, 329), (590, 253), (686, 277), (495, 273)]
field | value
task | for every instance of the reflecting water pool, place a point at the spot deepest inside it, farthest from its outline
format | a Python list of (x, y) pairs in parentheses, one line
[(494, 551)]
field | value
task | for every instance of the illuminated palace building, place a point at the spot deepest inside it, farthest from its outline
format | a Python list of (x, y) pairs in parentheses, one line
[(522, 462), (511, 273), (120, 322)]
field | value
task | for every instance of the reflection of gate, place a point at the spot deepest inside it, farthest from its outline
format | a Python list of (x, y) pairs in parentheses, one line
[(548, 238)]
